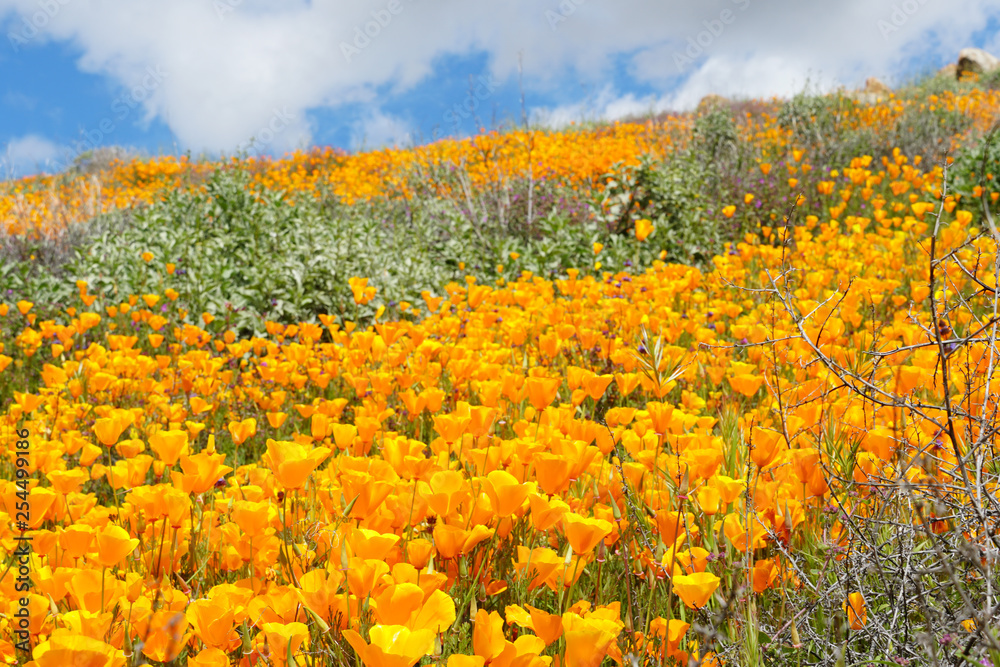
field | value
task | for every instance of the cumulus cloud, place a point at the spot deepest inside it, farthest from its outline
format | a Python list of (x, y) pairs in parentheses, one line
[(380, 129), (26, 154), (231, 64), (18, 100), (761, 76), (607, 104)]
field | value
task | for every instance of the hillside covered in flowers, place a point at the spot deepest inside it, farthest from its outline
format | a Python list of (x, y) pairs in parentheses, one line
[(708, 389)]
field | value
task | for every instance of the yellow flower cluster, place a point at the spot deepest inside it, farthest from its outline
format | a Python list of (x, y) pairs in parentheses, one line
[(576, 157), (328, 489)]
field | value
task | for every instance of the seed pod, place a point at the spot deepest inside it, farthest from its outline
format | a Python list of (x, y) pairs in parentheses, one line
[(615, 512), (350, 505)]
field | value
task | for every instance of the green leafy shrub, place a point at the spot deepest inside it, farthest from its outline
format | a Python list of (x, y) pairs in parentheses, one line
[(247, 256), (715, 136), (924, 129), (975, 164), (668, 194)]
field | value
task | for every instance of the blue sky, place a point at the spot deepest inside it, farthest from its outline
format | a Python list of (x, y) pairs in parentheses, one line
[(263, 76)]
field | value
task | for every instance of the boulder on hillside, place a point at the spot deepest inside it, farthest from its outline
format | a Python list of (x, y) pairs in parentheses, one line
[(976, 60), (875, 89), (876, 86)]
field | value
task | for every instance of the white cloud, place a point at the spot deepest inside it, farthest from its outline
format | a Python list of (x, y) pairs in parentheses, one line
[(230, 64), (761, 76), (26, 154), (737, 78), (380, 130), (17, 100), (608, 104)]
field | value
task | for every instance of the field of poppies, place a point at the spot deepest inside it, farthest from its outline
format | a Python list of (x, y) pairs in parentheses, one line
[(543, 438)]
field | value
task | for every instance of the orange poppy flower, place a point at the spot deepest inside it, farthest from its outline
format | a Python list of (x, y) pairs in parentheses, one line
[(166, 636), (545, 513), (362, 575), (419, 552), (766, 446), (487, 636), (694, 559), (253, 518), (695, 589), (395, 604), (114, 544), (358, 286), (736, 531), (109, 429), (93, 590), (318, 589), (405, 604), (71, 649), (199, 405), (857, 612), (366, 543), (452, 541), (243, 430), (764, 574), (542, 391), (587, 639), (481, 419), (548, 627), (553, 471), (200, 472), (450, 427), (674, 526), (209, 657), (285, 639), (276, 419), (344, 435), (662, 415), (505, 492), (319, 426), (445, 492), (213, 623), (584, 533), (291, 462), (169, 445), (541, 564), (75, 540), (597, 385), (391, 645), (709, 499), (746, 383)]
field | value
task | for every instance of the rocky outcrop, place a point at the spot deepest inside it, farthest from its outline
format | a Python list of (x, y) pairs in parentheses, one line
[(877, 87), (976, 61)]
